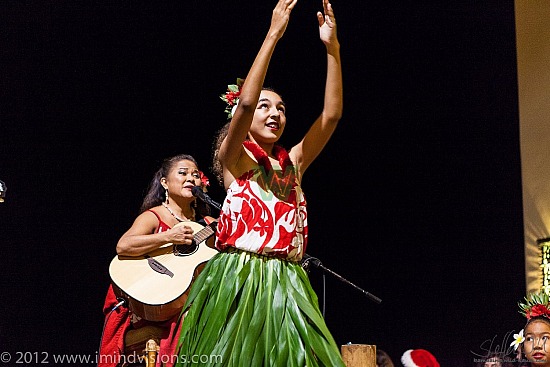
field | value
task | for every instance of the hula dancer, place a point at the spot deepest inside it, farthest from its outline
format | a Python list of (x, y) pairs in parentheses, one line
[(253, 304)]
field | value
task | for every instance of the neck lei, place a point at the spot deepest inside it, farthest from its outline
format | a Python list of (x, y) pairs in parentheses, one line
[(263, 159), (178, 218)]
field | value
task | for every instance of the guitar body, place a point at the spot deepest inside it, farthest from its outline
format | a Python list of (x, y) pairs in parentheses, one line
[(155, 285)]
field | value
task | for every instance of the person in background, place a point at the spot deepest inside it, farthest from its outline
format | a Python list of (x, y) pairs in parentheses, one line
[(533, 341), (383, 359), (168, 202), (253, 304)]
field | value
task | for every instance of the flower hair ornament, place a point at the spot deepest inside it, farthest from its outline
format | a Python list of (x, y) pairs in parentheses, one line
[(205, 182), (534, 305), (231, 97)]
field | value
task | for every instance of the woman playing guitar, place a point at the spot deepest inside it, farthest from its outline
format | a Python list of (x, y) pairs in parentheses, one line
[(161, 232)]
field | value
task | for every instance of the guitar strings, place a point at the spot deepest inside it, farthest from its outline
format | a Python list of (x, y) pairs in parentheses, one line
[(198, 237)]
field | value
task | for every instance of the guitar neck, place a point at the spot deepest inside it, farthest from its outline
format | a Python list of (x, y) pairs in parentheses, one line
[(205, 233)]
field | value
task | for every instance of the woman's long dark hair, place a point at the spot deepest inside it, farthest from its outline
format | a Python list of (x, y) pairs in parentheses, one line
[(156, 193)]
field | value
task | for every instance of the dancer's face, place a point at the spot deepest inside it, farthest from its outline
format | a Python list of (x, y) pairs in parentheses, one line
[(269, 118)]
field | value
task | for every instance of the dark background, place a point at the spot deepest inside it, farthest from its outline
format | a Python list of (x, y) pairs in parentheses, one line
[(416, 199)]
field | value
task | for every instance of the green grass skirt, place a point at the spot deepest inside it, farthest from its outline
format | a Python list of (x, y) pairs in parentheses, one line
[(252, 310)]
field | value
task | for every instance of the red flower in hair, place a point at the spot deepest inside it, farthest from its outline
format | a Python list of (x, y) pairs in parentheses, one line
[(231, 97), (538, 310), (205, 182)]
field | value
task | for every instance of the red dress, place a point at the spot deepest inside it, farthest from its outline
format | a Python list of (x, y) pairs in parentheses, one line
[(121, 320)]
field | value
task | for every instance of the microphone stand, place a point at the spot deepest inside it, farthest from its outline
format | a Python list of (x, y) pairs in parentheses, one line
[(308, 260), (209, 200)]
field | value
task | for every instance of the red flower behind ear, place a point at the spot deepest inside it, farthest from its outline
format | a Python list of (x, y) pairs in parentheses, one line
[(205, 182), (538, 310)]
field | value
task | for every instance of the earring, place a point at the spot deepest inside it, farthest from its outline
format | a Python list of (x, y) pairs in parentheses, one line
[(195, 203), (166, 194)]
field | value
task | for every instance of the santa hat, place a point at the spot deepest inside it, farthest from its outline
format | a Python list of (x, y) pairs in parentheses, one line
[(419, 358)]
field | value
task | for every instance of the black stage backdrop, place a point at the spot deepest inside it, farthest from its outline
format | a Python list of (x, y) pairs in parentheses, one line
[(417, 198)]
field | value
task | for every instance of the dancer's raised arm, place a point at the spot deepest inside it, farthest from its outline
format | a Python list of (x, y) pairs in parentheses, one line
[(305, 152)]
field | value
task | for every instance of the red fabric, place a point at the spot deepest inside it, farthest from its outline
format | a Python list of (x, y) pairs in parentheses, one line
[(162, 227), (167, 348), (117, 323)]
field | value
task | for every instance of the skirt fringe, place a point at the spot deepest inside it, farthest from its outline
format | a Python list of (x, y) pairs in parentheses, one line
[(245, 309)]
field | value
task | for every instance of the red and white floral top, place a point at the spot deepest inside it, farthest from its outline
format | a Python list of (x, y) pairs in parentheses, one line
[(265, 212)]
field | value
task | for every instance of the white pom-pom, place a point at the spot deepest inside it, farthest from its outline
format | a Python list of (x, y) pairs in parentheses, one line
[(234, 109)]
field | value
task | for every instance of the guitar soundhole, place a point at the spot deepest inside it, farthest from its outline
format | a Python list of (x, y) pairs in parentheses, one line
[(185, 250)]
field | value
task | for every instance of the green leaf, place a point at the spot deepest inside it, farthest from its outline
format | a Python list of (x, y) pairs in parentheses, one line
[(267, 314)]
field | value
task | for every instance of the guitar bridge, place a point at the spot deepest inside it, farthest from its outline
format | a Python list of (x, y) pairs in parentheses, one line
[(158, 267)]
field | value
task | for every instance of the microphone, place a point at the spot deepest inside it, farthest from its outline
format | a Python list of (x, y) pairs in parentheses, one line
[(198, 193), (308, 260)]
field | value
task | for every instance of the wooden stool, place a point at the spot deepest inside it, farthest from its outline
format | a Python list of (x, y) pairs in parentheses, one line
[(359, 355)]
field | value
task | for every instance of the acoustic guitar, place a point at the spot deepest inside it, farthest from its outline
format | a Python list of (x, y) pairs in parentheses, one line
[(155, 285)]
